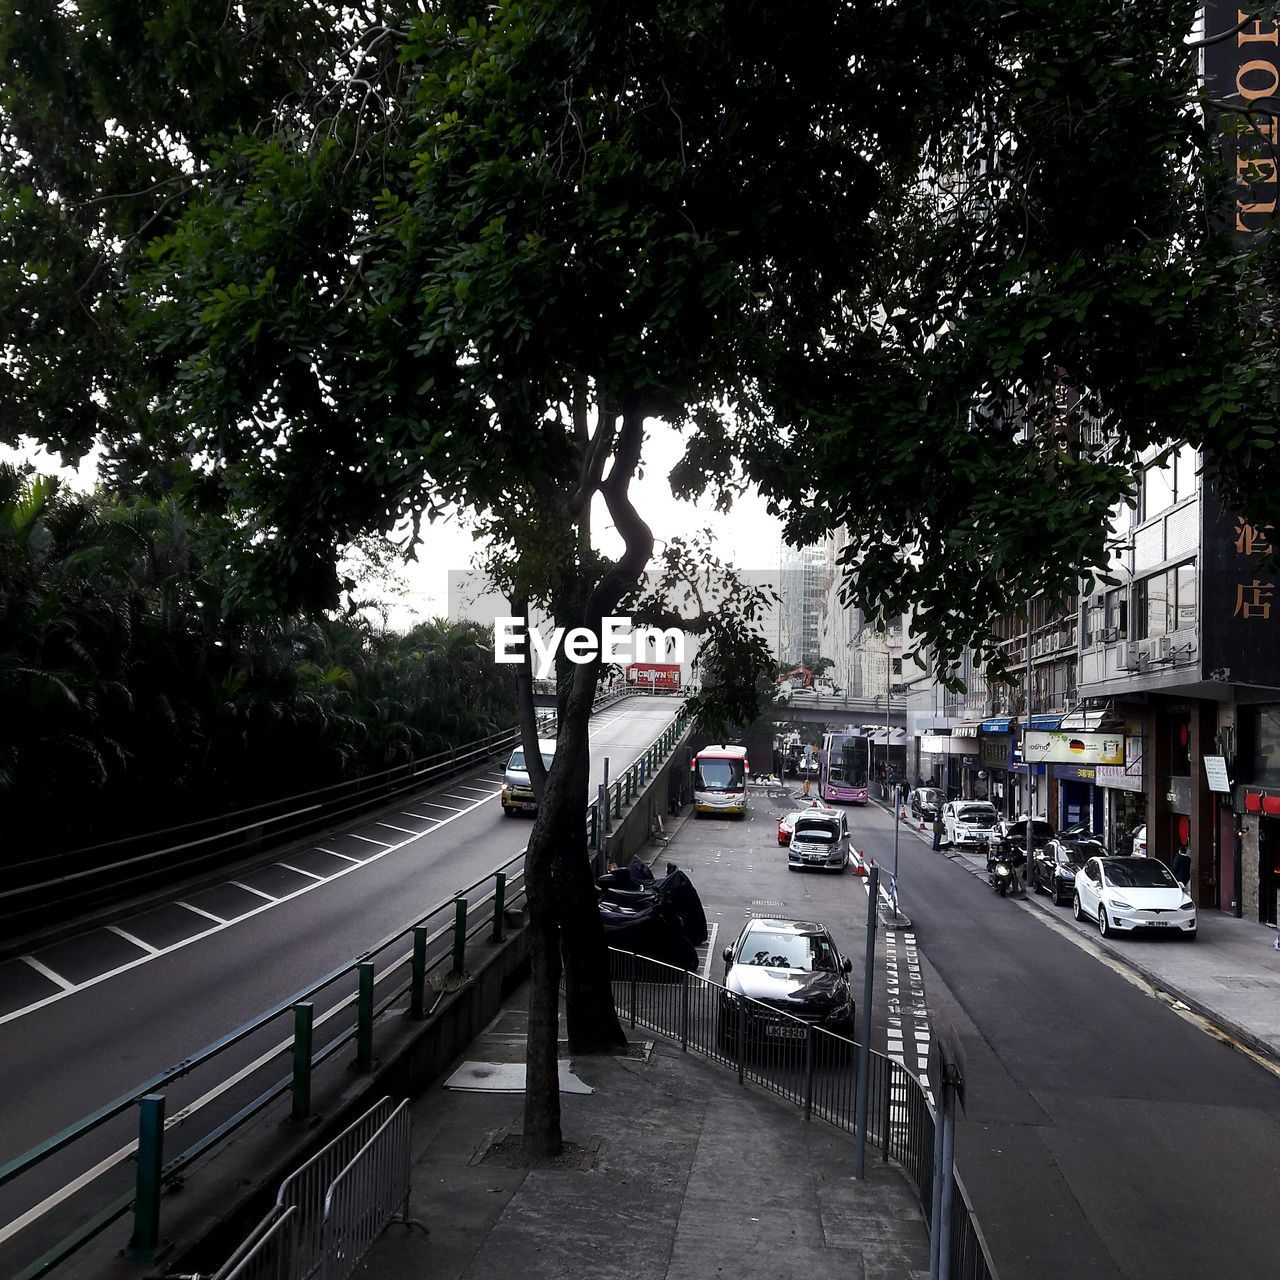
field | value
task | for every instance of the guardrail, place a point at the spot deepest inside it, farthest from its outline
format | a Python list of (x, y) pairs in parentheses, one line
[(403, 966), (805, 1064), (269, 1253), (31, 888)]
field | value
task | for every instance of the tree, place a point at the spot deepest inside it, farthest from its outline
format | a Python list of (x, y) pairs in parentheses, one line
[(458, 260)]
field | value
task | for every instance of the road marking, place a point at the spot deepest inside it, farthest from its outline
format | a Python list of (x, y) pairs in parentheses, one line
[(248, 888), (333, 853), (483, 791), (299, 870), (391, 826), (130, 938), (200, 911), (711, 950), (382, 844), (451, 796), (425, 817), (49, 973)]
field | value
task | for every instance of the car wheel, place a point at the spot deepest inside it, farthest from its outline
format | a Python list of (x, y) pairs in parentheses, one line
[(1075, 907), (1104, 928), (509, 813)]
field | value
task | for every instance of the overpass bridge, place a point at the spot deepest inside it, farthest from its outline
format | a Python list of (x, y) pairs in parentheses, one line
[(807, 709)]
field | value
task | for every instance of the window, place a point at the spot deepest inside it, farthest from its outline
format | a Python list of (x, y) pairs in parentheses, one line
[(1117, 612), (1166, 601), (1262, 729), (1169, 481)]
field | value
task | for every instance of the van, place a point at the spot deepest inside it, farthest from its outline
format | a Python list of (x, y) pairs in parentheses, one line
[(517, 790)]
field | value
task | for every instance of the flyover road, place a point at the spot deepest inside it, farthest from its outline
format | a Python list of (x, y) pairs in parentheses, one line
[(85, 1020), (1106, 1135)]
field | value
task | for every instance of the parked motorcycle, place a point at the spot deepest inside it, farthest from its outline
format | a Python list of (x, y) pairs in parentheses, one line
[(1002, 866)]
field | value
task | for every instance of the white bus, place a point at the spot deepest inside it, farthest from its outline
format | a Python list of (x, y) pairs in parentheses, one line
[(720, 780)]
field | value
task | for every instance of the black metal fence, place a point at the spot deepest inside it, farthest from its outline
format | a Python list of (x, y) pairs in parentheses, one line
[(808, 1065)]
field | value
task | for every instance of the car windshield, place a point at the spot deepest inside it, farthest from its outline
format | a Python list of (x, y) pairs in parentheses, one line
[(809, 953), (517, 761), (1140, 873), (820, 832), (1085, 849), (928, 795), (977, 817)]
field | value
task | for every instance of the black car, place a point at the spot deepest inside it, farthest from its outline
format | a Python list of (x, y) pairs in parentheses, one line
[(926, 802), (784, 967), (1013, 833), (1054, 869)]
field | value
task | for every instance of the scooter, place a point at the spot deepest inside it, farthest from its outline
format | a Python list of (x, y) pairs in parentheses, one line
[(1002, 864)]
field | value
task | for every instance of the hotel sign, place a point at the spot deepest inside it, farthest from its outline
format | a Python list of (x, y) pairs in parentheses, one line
[(1059, 747)]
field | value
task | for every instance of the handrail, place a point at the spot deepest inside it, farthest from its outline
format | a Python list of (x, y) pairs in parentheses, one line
[(664, 743)]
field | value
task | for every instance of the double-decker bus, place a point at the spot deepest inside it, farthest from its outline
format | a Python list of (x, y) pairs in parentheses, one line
[(720, 780), (845, 760), (655, 675)]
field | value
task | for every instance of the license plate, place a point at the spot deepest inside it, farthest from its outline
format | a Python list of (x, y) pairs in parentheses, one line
[(783, 1032), (1158, 924), (528, 806), (815, 857)]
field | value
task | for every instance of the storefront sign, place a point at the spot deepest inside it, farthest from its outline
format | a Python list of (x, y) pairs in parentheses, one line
[(995, 751), (1058, 747), (940, 744), (1215, 771), (1075, 773)]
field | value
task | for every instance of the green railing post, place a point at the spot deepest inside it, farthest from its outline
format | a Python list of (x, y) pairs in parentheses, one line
[(459, 935), (145, 1241), (500, 902), (635, 965), (418, 974), (617, 800), (364, 1018), (303, 1014), (595, 826)]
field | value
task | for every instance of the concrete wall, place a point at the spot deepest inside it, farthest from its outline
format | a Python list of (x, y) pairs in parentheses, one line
[(634, 829)]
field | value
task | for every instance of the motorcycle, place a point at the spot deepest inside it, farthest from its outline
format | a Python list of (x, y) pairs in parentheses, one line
[(1002, 866)]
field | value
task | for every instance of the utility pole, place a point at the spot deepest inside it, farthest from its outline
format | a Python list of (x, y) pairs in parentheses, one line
[(1026, 758)]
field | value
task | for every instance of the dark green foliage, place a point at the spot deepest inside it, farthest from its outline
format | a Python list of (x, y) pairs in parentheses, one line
[(132, 700)]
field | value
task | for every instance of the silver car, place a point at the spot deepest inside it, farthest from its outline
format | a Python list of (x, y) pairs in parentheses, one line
[(820, 840)]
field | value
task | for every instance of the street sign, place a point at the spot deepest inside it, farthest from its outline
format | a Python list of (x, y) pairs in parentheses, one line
[(1215, 770)]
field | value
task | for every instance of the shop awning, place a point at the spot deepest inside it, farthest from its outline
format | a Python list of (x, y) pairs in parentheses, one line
[(966, 729), (997, 724), (1089, 721), (1046, 723)]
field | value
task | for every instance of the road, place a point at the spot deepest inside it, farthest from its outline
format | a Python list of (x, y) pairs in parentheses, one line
[(87, 1019), (1105, 1135)]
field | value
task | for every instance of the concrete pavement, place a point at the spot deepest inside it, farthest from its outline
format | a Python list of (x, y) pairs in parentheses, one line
[(675, 1172)]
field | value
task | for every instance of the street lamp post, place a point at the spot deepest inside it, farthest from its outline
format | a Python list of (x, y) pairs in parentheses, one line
[(1026, 757)]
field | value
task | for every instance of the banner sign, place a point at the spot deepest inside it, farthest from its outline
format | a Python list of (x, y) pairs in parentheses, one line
[(1057, 747)]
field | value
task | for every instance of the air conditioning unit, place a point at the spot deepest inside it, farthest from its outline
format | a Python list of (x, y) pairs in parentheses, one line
[(1128, 657), (1162, 649), (1099, 600), (1108, 635)]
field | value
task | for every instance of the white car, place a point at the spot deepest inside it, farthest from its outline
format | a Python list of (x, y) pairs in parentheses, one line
[(1124, 894), (968, 822), (820, 839)]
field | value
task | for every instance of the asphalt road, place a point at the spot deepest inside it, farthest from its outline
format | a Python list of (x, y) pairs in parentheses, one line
[(1105, 1134), (96, 1014)]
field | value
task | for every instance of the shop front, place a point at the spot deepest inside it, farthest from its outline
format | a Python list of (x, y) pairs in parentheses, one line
[(946, 755), (1124, 792), (995, 744), (1079, 799)]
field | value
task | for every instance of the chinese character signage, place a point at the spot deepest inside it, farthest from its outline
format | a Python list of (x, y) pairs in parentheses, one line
[(1242, 71), (1059, 747), (1239, 600)]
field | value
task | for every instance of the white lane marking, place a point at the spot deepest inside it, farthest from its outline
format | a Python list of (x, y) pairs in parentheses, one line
[(248, 888), (451, 796), (71, 988), (481, 791), (333, 853), (404, 831), (711, 951), (200, 911), (408, 813), (382, 844), (299, 871), (435, 804), (49, 973), (131, 939)]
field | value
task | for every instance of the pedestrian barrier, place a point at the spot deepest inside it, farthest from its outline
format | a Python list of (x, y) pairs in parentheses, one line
[(268, 1253), (304, 1191), (366, 1195), (807, 1065)]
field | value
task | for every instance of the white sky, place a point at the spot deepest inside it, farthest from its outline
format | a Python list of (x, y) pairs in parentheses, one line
[(747, 536)]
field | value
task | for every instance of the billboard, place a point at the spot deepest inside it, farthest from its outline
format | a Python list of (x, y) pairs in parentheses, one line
[(1058, 746)]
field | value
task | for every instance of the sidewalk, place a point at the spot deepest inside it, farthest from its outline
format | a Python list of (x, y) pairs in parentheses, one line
[(1230, 975), (675, 1172)]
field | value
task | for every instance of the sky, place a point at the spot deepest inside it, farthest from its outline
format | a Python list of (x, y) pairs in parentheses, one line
[(747, 536)]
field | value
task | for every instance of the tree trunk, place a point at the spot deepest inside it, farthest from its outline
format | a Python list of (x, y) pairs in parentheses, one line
[(542, 1136)]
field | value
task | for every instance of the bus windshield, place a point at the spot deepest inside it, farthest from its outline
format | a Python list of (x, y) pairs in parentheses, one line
[(720, 774)]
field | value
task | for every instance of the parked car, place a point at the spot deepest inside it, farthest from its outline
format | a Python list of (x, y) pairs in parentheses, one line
[(1140, 841), (1124, 894), (787, 823), (781, 967), (1057, 863), (925, 803), (517, 790), (1013, 831), (820, 840), (969, 822)]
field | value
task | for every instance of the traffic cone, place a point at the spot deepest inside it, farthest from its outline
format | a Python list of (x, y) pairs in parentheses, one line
[(921, 826), (860, 867)]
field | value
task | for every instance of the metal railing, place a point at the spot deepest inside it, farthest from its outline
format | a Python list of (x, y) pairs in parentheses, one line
[(306, 1188), (268, 1253), (805, 1064), (366, 1195), (404, 969), (30, 888)]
